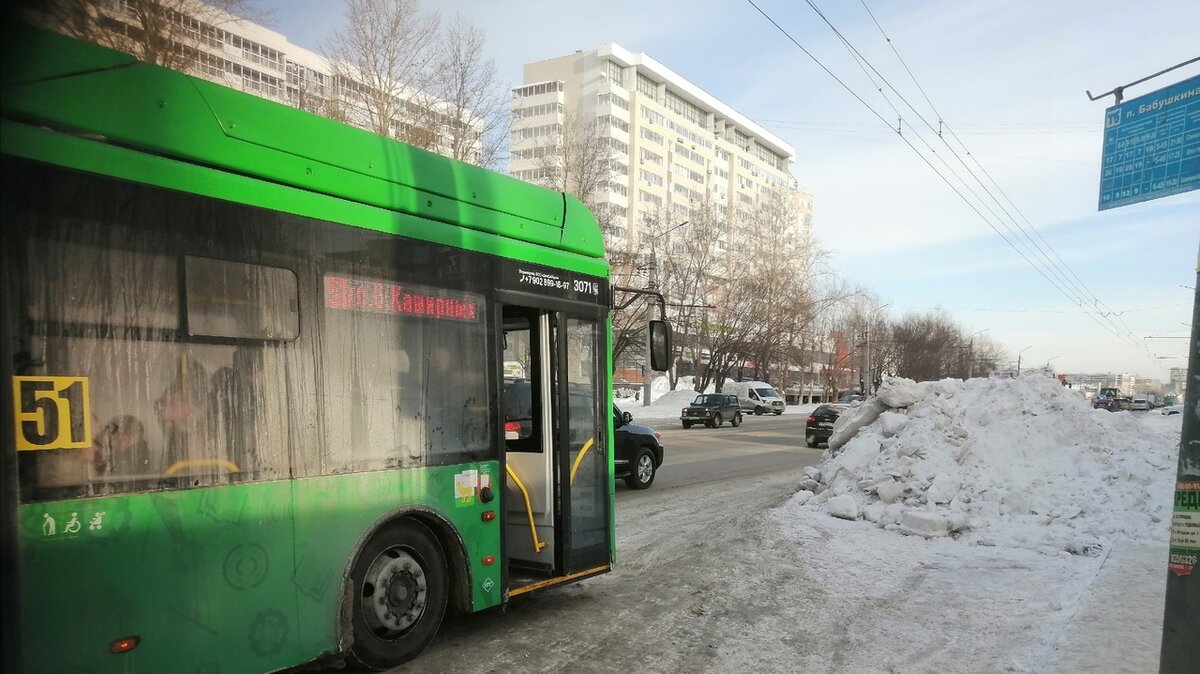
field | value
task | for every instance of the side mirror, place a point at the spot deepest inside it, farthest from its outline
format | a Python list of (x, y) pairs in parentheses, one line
[(627, 417), (660, 346)]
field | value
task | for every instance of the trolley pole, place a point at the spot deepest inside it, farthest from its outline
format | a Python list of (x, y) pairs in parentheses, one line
[(1181, 615)]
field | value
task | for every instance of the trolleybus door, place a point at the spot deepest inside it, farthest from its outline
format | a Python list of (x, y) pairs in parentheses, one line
[(556, 500)]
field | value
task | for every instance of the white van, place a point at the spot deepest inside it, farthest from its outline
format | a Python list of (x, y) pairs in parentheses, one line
[(1139, 403), (756, 397)]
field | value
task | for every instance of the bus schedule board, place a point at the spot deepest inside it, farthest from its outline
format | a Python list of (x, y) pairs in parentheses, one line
[(1151, 146)]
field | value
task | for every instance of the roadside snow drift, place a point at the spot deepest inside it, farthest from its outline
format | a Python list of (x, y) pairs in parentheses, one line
[(1020, 463)]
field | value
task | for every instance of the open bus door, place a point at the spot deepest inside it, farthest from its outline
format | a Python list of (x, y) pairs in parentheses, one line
[(557, 505)]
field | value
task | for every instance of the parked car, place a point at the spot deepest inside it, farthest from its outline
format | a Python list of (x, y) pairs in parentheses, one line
[(1172, 409), (712, 410), (819, 425), (1107, 403), (1139, 403), (756, 397), (851, 398), (637, 450)]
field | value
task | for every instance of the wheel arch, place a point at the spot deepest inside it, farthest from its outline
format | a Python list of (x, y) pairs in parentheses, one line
[(453, 547), (656, 452)]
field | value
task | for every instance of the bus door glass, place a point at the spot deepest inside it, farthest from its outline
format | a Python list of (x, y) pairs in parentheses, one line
[(585, 459), (529, 510), (556, 501)]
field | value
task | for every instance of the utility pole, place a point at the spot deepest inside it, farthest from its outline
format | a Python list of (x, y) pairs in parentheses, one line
[(870, 381), (1181, 614), (870, 377), (647, 373)]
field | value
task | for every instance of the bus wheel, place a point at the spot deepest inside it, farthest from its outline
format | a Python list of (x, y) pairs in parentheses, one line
[(398, 593)]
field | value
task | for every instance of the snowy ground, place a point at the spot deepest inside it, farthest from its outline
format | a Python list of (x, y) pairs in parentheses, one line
[(990, 526), (742, 574)]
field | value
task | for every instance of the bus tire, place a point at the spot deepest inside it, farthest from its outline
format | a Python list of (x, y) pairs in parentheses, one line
[(397, 595)]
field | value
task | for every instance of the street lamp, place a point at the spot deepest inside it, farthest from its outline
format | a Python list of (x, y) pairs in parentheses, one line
[(971, 353), (1019, 358), (653, 285), (870, 373)]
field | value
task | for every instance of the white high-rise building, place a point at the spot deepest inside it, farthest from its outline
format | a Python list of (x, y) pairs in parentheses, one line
[(675, 145)]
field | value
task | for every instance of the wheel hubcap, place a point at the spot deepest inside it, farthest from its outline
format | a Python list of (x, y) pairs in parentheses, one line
[(645, 468), (395, 592)]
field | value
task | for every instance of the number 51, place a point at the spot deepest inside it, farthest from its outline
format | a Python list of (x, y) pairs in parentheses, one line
[(52, 412)]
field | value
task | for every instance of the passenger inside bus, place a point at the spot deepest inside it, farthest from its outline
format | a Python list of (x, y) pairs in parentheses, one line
[(121, 448)]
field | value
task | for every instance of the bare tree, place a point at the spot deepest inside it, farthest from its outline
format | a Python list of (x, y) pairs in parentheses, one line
[(579, 161), (629, 322), (381, 61), (778, 248), (688, 268), (163, 32), (476, 107), (929, 346)]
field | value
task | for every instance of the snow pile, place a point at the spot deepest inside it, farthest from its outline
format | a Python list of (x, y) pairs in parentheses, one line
[(666, 403), (1020, 463)]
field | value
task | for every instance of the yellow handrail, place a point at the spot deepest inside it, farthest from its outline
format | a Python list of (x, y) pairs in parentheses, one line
[(575, 466), (201, 463), (537, 544)]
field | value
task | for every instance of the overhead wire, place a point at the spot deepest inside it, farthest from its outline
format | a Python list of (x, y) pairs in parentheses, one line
[(1078, 282), (1033, 247), (1074, 294)]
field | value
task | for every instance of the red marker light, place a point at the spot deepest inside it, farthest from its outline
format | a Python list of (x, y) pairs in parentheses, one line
[(124, 644), (489, 515), (512, 430), (811, 418), (489, 560)]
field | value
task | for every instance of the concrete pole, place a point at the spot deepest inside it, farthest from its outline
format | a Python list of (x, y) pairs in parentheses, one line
[(971, 359), (647, 373), (870, 377), (1181, 614)]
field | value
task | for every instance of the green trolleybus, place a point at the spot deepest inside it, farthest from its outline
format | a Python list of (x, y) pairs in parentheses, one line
[(256, 364)]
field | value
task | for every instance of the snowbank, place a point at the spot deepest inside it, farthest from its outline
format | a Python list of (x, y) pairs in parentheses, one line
[(1020, 463)]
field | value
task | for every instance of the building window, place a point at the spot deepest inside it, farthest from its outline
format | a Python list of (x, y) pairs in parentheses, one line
[(651, 136), (652, 116), (650, 177), (538, 89), (647, 86), (615, 73)]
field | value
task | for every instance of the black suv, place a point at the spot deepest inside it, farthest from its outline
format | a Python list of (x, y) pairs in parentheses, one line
[(638, 450), (819, 425), (712, 409)]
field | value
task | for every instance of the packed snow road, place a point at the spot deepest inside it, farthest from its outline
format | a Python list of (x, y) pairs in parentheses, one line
[(701, 574)]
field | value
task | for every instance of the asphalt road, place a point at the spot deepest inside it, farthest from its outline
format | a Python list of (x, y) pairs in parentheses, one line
[(760, 445), (701, 576)]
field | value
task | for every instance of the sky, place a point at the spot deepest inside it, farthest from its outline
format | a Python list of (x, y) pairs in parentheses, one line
[(1008, 77)]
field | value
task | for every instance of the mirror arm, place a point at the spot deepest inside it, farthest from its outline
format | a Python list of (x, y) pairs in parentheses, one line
[(662, 302)]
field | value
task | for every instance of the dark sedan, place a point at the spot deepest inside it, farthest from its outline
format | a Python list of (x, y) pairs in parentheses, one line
[(819, 426), (638, 450)]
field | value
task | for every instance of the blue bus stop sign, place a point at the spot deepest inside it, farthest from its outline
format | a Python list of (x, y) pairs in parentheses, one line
[(1151, 146)]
